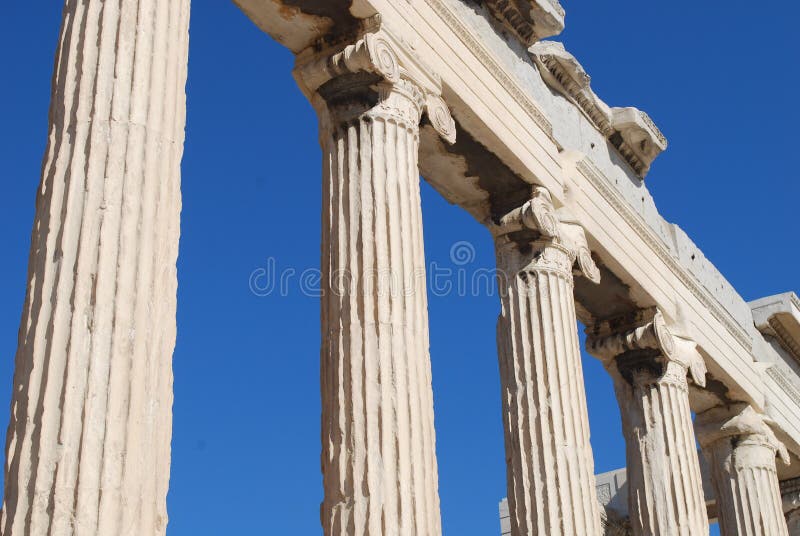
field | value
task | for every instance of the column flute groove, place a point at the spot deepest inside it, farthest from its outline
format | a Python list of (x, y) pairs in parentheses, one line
[(88, 441), (741, 450), (379, 452), (650, 367), (551, 487)]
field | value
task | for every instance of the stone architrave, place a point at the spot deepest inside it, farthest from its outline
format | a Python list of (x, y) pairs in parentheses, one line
[(551, 486), (379, 457), (649, 366), (741, 451), (88, 446)]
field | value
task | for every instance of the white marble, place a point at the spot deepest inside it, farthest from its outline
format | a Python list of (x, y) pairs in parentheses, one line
[(741, 450), (379, 448), (550, 465), (650, 365), (88, 447)]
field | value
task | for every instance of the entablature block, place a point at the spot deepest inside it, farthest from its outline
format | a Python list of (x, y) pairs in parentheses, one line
[(529, 20)]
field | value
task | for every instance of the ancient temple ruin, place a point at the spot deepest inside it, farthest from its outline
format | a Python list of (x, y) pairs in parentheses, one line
[(477, 97)]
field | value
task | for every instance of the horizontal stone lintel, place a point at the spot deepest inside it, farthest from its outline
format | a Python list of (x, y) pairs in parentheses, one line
[(509, 115)]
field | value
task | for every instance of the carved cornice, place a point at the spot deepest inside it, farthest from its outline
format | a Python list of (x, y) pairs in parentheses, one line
[(631, 131), (487, 60), (645, 329), (529, 20), (779, 317), (377, 52), (562, 72), (637, 138), (785, 338), (538, 214), (610, 193), (739, 421)]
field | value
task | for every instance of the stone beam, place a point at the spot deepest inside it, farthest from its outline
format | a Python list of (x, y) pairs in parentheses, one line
[(529, 20), (505, 112)]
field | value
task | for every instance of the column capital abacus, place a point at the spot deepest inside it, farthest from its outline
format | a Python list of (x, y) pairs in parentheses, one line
[(555, 238), (642, 339), (739, 424), (378, 60)]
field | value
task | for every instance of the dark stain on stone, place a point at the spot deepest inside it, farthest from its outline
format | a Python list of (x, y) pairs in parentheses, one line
[(644, 360), (718, 388), (610, 298), (336, 10), (355, 89), (506, 189)]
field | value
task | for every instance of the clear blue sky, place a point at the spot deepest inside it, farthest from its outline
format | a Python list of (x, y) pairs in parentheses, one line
[(246, 437)]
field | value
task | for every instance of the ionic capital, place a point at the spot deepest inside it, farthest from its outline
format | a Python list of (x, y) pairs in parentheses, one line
[(739, 423), (644, 336), (555, 228), (376, 58)]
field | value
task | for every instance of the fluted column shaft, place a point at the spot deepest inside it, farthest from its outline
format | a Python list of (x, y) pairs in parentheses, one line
[(550, 468), (746, 485), (741, 451), (650, 367), (665, 485), (379, 456), (88, 443)]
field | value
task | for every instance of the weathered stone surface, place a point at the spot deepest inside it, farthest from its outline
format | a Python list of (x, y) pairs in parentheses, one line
[(550, 464), (779, 317), (649, 365), (630, 130), (741, 450), (379, 452), (529, 20), (517, 128), (88, 447)]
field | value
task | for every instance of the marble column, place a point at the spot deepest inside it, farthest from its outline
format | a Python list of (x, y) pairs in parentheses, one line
[(650, 366), (741, 451), (550, 468), (379, 453), (790, 493), (88, 445)]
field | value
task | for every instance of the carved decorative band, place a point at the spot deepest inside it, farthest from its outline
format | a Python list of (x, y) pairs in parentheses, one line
[(742, 423), (557, 227), (475, 46), (784, 338), (553, 258), (603, 184), (651, 335), (378, 53), (644, 336), (630, 130), (785, 383)]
